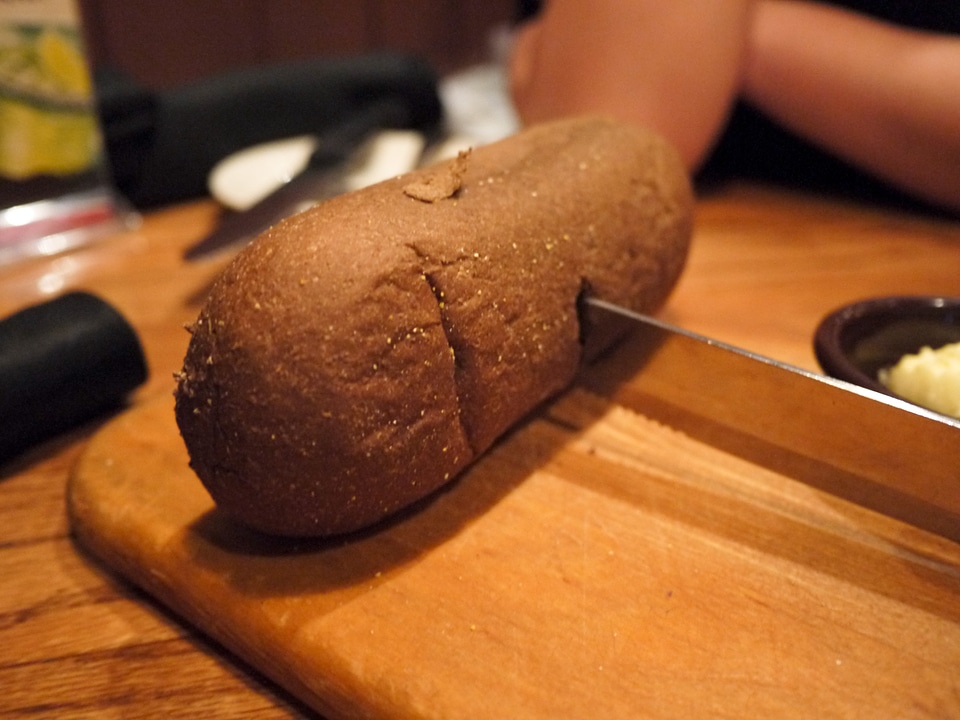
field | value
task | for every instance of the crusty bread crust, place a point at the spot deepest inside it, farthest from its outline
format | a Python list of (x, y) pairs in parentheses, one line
[(359, 355)]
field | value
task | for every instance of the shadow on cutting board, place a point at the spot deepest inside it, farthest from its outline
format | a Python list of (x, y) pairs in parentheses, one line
[(371, 556)]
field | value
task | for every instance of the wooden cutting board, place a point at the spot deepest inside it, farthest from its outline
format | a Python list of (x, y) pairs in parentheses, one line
[(595, 564)]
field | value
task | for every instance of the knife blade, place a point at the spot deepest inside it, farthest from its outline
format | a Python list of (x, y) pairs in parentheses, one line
[(874, 450), (321, 178)]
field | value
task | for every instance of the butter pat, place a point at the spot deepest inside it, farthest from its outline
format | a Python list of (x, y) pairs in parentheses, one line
[(930, 378)]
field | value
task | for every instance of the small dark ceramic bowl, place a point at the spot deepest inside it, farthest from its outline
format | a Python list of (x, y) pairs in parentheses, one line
[(855, 342)]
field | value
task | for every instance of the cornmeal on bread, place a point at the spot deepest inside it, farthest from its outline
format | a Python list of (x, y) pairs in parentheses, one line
[(359, 355)]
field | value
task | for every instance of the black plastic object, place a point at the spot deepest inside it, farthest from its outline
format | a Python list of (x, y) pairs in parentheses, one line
[(163, 145), (63, 362)]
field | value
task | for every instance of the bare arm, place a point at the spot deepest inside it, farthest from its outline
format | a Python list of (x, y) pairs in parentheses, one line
[(672, 65), (885, 98)]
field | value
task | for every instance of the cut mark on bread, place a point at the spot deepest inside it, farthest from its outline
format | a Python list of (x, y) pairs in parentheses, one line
[(438, 293), (441, 307)]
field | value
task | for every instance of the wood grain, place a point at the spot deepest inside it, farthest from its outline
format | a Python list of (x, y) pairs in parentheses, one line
[(604, 564), (164, 45), (76, 641)]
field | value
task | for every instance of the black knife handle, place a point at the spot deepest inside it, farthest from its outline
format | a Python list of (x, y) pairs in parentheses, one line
[(336, 145), (63, 362)]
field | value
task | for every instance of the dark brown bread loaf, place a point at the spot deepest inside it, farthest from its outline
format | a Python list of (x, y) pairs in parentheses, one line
[(357, 356)]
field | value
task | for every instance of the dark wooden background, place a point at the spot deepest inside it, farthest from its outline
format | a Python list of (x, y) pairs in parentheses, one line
[(162, 44)]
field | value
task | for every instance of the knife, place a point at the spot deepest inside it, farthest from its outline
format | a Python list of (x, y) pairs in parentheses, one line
[(320, 179), (874, 450)]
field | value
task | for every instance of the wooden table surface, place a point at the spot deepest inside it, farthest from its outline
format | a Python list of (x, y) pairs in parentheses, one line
[(76, 641)]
